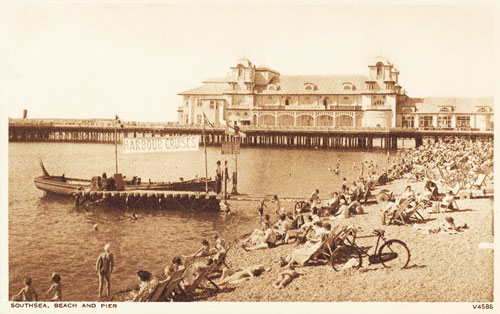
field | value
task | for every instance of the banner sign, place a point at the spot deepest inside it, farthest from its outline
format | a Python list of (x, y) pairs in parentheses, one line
[(230, 148), (161, 144)]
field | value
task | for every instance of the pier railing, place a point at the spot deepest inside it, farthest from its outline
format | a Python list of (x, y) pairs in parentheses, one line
[(103, 131)]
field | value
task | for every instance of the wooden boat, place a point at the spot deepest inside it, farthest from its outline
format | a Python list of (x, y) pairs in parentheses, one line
[(61, 185)]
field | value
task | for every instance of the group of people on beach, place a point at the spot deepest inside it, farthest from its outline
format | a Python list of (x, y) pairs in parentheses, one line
[(442, 163)]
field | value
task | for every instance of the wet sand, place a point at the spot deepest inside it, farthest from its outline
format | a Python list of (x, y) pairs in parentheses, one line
[(443, 267)]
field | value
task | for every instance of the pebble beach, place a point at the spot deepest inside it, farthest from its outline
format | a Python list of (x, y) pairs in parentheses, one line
[(443, 267)]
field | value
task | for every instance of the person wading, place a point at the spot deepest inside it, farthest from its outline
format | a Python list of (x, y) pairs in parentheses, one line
[(104, 268)]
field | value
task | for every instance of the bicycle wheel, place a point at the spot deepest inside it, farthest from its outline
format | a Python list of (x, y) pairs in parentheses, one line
[(344, 257), (301, 205), (394, 254)]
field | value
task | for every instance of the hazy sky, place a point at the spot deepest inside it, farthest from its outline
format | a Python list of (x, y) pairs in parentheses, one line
[(87, 59)]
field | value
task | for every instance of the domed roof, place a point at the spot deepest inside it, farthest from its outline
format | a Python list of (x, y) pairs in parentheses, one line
[(244, 62), (380, 59)]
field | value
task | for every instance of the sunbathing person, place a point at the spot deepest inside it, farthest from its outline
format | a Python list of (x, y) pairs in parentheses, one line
[(27, 293), (285, 277), (173, 267), (230, 276), (268, 240), (203, 251), (256, 236), (147, 285)]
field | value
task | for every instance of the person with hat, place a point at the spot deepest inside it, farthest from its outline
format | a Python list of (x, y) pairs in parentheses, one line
[(104, 268)]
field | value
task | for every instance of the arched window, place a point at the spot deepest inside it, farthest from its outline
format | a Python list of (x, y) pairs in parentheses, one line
[(347, 87), (240, 71), (325, 102), (308, 87), (379, 69), (287, 102), (443, 110)]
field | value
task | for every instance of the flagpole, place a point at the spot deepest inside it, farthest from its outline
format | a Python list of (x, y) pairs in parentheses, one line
[(116, 150), (206, 162)]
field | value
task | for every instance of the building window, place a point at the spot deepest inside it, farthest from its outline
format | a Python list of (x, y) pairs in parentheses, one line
[(347, 87), (199, 103), (463, 122), (444, 110), (444, 122), (407, 122), (482, 110), (287, 102), (198, 118), (308, 87), (212, 106), (379, 70), (379, 103), (325, 102), (426, 121)]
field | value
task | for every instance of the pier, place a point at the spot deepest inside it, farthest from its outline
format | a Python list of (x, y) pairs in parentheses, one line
[(164, 200), (35, 130)]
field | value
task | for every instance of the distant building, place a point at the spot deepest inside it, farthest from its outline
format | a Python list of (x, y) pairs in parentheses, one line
[(262, 96)]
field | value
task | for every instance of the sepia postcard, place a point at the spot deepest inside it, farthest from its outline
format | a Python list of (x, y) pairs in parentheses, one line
[(247, 156)]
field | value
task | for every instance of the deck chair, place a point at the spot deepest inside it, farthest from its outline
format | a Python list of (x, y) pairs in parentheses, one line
[(190, 288), (479, 181), (399, 216), (329, 243), (414, 214), (165, 289)]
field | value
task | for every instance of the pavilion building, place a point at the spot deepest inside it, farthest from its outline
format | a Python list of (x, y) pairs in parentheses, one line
[(261, 96)]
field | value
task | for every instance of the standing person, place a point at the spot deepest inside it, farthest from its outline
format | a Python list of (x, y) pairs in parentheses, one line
[(104, 267), (344, 185), (218, 178), (277, 205), (27, 293), (260, 207), (226, 178)]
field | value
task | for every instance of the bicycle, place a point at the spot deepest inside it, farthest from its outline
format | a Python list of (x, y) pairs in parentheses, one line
[(392, 253)]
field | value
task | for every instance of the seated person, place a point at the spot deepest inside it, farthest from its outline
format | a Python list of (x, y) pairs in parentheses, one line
[(343, 209), (447, 201), (147, 285), (431, 190), (256, 236), (230, 276), (220, 245), (388, 211), (268, 240), (281, 227), (355, 208), (203, 251), (173, 267), (409, 192)]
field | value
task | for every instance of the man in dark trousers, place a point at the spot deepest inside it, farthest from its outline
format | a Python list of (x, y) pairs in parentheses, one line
[(226, 178), (218, 178)]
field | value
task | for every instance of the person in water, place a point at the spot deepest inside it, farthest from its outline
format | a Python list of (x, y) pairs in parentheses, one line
[(104, 267), (27, 293), (55, 288)]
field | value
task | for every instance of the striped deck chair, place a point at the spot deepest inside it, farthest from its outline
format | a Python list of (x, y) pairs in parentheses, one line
[(479, 181), (190, 287), (165, 289), (399, 216)]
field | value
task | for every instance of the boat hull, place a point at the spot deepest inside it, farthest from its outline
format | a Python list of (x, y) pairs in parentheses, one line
[(70, 186)]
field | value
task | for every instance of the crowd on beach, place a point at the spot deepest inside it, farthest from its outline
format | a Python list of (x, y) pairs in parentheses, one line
[(445, 166)]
